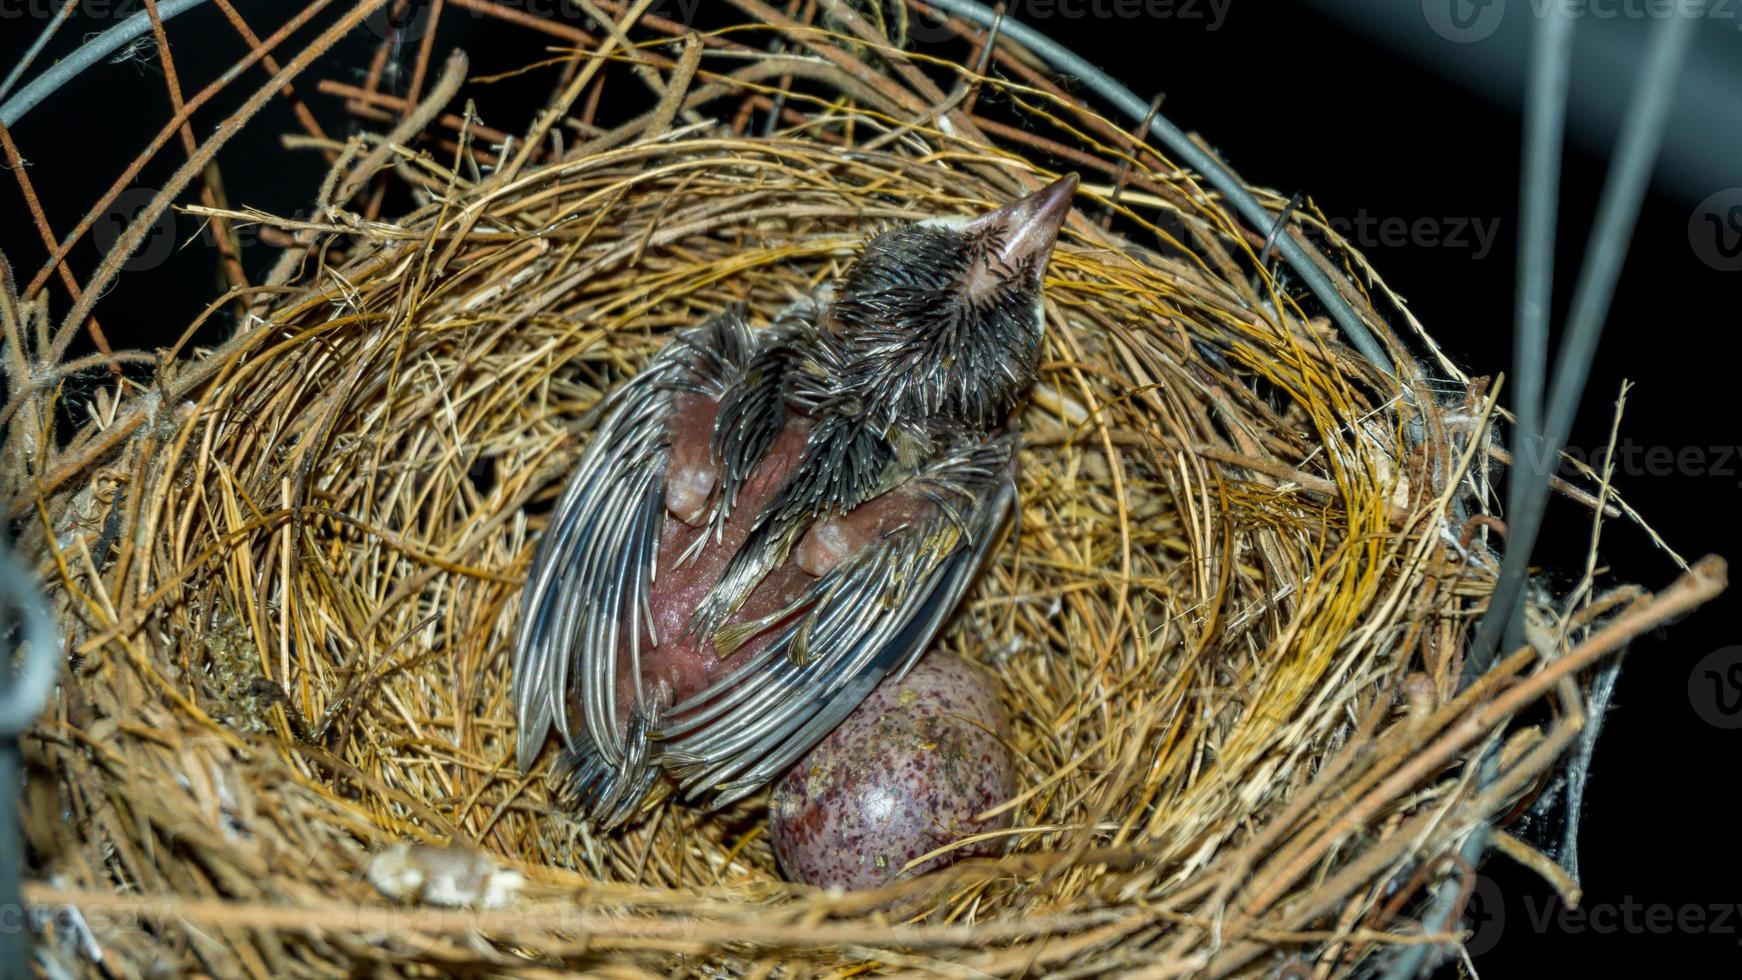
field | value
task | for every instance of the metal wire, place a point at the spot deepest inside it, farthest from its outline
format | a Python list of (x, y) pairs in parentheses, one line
[(1545, 108), (41, 42), (1618, 209), (22, 693), (88, 54)]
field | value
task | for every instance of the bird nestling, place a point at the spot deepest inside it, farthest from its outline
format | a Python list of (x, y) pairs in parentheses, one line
[(766, 523)]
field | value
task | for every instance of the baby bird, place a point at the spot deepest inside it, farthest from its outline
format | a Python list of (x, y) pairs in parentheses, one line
[(767, 523)]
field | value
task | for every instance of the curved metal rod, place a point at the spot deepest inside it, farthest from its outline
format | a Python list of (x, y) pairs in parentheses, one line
[(36, 47), (1617, 210), (22, 694), (91, 52), (1545, 109)]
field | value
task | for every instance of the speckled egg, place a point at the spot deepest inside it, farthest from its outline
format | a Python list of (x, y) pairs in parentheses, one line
[(905, 774)]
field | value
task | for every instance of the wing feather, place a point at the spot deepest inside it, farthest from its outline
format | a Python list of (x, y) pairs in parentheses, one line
[(587, 591), (586, 605), (871, 617)]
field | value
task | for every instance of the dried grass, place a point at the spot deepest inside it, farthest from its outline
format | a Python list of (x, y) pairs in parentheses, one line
[(1229, 630)]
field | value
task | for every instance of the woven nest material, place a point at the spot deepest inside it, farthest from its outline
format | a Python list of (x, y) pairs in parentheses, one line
[(1230, 628)]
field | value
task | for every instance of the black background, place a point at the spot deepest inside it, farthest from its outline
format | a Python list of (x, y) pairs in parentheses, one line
[(1295, 102)]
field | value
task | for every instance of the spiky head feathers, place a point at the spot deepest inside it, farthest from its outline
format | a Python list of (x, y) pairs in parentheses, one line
[(939, 323)]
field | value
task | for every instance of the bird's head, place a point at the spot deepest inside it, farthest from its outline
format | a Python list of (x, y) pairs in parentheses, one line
[(940, 321)]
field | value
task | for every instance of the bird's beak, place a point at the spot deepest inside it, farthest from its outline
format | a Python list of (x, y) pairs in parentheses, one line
[(1031, 224)]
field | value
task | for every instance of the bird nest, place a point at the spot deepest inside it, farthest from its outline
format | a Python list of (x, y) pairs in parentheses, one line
[(1230, 624)]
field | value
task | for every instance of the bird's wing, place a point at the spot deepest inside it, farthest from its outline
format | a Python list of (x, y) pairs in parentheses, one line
[(752, 413), (587, 591), (842, 465), (870, 617)]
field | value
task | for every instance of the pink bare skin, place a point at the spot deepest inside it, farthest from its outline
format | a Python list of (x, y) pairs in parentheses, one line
[(680, 665), (832, 540), (690, 476)]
